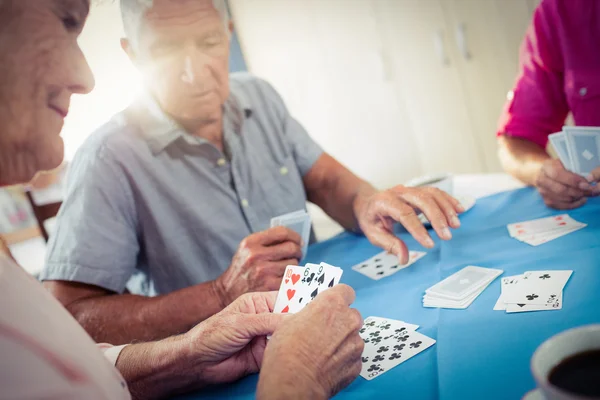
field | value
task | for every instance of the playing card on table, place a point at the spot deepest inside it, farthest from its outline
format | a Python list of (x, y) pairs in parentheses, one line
[(538, 287), (545, 237), (463, 283), (298, 221), (584, 148), (556, 304), (385, 264), (379, 328), (542, 225), (506, 284), (379, 356)]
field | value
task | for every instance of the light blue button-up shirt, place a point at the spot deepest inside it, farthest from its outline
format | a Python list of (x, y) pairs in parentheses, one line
[(145, 198)]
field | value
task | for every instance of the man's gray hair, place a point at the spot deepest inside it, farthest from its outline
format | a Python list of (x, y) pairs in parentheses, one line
[(132, 12)]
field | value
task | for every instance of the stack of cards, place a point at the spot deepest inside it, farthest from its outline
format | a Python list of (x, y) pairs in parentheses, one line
[(578, 148), (300, 285), (543, 230), (533, 291), (298, 221), (385, 264), (460, 289), (389, 343)]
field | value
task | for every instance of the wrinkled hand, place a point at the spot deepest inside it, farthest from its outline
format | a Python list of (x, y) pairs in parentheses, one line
[(231, 344), (376, 216), (562, 189), (259, 263), (316, 352)]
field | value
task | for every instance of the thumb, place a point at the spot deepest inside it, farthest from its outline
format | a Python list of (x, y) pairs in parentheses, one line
[(390, 243), (263, 324)]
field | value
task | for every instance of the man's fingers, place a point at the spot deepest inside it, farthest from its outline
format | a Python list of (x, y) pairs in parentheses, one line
[(401, 212), (431, 209), (283, 251), (390, 243), (278, 234), (561, 205), (560, 189), (345, 292), (571, 179), (261, 324), (448, 207)]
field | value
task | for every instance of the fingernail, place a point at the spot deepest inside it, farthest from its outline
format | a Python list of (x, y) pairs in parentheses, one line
[(584, 186), (429, 242), (455, 221), (302, 243), (446, 234), (460, 208)]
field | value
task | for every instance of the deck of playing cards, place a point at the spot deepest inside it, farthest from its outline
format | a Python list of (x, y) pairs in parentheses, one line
[(533, 291), (300, 285), (389, 343), (298, 221), (460, 289), (578, 148), (543, 230), (385, 264)]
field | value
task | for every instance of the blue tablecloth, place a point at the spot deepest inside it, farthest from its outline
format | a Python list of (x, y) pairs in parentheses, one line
[(480, 353)]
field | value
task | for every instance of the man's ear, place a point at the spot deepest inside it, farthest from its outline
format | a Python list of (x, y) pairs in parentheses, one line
[(128, 49)]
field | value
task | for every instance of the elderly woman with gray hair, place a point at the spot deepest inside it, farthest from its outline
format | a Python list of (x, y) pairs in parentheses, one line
[(45, 353)]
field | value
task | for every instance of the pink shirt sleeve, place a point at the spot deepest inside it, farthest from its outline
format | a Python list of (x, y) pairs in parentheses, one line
[(537, 106)]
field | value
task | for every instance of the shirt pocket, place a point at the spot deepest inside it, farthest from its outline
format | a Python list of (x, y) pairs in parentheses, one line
[(283, 185), (583, 95)]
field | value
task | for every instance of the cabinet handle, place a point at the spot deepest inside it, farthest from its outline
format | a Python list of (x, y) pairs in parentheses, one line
[(461, 41), (440, 47)]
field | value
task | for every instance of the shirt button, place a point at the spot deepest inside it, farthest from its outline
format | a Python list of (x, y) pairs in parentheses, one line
[(244, 203), (510, 95), (283, 170), (583, 91), (221, 162)]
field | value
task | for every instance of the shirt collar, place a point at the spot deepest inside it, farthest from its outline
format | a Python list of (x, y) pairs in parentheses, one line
[(160, 130)]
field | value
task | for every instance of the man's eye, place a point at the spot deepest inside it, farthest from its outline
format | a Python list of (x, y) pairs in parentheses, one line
[(70, 23)]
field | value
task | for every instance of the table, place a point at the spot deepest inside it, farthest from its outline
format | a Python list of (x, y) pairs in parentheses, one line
[(480, 353)]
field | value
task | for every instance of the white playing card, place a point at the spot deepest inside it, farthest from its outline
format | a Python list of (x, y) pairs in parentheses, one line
[(383, 327), (318, 278), (538, 287), (385, 264), (298, 221), (290, 291), (559, 142), (464, 283), (518, 308), (584, 148), (506, 284), (545, 237), (379, 356), (542, 225)]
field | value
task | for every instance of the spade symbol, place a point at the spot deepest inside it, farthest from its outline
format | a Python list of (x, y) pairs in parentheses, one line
[(394, 267), (379, 266), (321, 279), (380, 273), (314, 294), (331, 283)]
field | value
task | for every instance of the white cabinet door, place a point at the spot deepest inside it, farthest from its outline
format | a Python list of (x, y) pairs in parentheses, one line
[(428, 84), (327, 61), (485, 36)]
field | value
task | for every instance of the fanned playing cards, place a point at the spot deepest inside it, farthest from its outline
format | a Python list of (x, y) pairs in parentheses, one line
[(544, 230)]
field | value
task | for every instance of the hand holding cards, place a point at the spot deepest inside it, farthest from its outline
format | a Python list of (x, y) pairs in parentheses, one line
[(299, 222), (578, 148)]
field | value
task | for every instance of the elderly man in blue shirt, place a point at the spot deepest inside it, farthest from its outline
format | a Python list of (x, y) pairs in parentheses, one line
[(181, 187)]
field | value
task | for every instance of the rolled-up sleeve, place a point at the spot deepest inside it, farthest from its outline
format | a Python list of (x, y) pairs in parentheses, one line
[(537, 105), (96, 240), (304, 149)]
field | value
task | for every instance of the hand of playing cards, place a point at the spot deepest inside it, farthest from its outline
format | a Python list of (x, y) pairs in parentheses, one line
[(389, 343), (533, 291), (300, 286), (578, 148), (543, 230), (298, 221), (459, 290)]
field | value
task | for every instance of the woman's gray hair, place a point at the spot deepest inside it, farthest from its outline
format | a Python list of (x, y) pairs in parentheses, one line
[(132, 12)]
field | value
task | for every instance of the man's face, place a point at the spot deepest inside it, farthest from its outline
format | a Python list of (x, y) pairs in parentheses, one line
[(183, 54), (41, 66)]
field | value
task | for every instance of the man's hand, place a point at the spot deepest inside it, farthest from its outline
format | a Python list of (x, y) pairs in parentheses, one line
[(259, 263), (231, 344), (562, 189), (377, 213), (315, 353)]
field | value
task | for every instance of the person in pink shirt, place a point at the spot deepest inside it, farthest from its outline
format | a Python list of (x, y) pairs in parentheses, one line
[(45, 353), (559, 74)]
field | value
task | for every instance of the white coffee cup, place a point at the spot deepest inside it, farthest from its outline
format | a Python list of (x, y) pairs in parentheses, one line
[(555, 350), (441, 181)]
